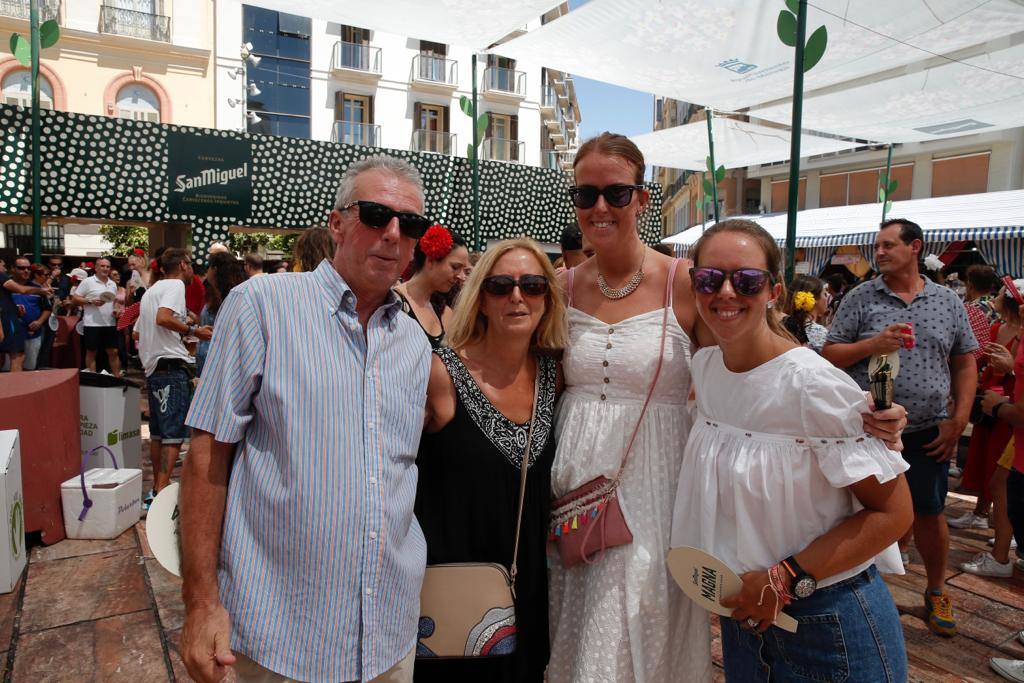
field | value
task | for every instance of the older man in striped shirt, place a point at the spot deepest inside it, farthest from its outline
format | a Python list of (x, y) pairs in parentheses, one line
[(306, 563)]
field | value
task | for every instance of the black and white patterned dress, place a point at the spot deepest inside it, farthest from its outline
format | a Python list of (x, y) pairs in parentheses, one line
[(466, 503)]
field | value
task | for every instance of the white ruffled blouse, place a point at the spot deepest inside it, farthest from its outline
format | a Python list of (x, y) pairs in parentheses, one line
[(769, 458)]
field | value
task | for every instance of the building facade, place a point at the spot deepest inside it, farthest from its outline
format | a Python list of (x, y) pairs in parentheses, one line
[(984, 162), (149, 60), (331, 81)]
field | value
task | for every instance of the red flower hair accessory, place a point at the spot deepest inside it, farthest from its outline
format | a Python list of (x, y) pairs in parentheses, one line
[(139, 252), (436, 242), (88, 264), (153, 265)]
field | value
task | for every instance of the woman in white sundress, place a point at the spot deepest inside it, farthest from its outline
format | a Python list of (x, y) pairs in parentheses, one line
[(622, 618)]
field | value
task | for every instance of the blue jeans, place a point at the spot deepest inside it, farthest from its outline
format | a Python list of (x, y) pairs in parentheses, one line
[(849, 631), (170, 393)]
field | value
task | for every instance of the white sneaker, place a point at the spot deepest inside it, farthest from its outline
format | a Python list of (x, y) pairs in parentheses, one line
[(1020, 637), (968, 520), (1013, 542), (1010, 669), (905, 558), (984, 564)]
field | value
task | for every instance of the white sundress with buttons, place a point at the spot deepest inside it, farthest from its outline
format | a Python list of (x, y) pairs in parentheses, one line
[(769, 458), (623, 618)]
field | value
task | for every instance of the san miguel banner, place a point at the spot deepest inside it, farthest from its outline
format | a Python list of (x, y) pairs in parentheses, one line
[(209, 176)]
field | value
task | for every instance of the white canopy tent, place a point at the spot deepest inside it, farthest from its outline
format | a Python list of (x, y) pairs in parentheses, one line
[(475, 24), (931, 100), (737, 144), (993, 220), (726, 54)]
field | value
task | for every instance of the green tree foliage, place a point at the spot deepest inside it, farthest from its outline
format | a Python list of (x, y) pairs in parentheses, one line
[(125, 238), (243, 242)]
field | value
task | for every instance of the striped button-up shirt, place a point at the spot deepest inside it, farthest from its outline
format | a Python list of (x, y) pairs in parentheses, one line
[(322, 559)]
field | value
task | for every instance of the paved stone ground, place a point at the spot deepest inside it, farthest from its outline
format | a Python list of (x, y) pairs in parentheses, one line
[(106, 611)]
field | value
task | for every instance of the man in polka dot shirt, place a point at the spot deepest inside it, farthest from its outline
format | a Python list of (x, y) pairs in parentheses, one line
[(901, 311)]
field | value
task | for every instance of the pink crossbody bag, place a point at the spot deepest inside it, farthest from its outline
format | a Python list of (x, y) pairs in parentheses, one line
[(588, 520)]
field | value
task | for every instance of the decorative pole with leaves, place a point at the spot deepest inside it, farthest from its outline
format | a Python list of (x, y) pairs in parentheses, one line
[(887, 185), (480, 123), (717, 174), (27, 53), (792, 28)]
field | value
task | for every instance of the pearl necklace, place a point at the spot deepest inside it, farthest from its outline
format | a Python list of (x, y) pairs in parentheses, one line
[(626, 289)]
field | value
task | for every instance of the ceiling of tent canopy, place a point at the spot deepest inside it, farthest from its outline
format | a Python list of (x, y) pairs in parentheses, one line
[(467, 23), (980, 93), (726, 54), (737, 144)]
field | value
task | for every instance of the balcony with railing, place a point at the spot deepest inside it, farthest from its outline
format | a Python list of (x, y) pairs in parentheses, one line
[(134, 23), (504, 83), (48, 9), (548, 98), (433, 72), (500, 149), (356, 133), (356, 60), (437, 141)]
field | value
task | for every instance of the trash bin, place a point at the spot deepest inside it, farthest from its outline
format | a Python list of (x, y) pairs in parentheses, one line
[(110, 416)]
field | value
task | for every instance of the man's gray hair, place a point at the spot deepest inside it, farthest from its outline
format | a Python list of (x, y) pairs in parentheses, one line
[(399, 168)]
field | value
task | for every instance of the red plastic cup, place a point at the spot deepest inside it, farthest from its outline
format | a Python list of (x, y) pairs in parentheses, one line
[(908, 342)]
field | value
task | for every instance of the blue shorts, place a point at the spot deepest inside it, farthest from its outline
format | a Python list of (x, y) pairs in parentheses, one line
[(15, 334), (927, 478), (849, 631), (170, 393)]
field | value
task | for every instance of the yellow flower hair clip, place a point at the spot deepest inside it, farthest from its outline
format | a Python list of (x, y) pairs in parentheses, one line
[(803, 301)]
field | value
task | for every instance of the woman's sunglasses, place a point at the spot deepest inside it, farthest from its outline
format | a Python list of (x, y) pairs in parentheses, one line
[(502, 285), (378, 216), (618, 195), (745, 281)]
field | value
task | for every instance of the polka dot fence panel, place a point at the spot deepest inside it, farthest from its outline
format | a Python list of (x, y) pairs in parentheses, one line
[(102, 168)]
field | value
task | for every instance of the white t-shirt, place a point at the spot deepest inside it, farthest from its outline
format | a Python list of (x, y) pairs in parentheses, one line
[(97, 316), (155, 341)]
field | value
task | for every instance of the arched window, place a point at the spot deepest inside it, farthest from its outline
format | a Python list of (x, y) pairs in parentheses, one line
[(138, 102), (17, 89)]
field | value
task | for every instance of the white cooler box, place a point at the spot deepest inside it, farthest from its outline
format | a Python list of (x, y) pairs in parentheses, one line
[(116, 503), (13, 556)]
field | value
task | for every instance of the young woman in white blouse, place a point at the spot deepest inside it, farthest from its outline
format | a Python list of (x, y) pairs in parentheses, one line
[(781, 483)]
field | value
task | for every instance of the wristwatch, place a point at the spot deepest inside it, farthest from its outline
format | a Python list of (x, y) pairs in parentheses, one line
[(996, 407), (802, 585)]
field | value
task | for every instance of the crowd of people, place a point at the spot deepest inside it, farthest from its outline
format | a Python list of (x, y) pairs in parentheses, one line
[(402, 403)]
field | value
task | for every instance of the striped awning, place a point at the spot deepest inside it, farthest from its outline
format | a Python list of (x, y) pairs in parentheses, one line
[(944, 235)]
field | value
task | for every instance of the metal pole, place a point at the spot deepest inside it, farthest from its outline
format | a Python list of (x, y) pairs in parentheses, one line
[(794, 143), (475, 165), (714, 168), (888, 181), (37, 217)]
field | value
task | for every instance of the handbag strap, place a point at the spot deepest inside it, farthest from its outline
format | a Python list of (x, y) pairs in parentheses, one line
[(657, 372), (524, 466)]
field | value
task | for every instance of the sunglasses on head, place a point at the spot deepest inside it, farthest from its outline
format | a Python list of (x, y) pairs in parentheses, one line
[(378, 216), (618, 195), (745, 281), (502, 285)]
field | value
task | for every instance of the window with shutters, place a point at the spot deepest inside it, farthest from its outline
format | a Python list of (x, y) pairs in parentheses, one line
[(960, 175), (353, 123), (17, 89)]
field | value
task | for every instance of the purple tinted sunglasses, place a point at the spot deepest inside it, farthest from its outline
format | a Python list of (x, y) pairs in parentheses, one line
[(745, 281)]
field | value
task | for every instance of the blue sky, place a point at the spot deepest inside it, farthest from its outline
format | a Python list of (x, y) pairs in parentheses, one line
[(608, 107)]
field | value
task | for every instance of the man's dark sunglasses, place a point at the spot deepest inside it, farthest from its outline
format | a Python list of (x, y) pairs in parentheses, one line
[(618, 195), (502, 285), (378, 216), (745, 281)]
